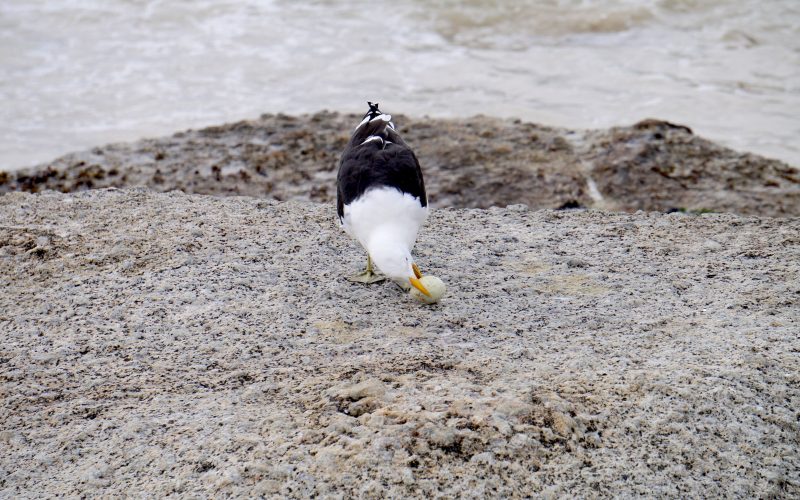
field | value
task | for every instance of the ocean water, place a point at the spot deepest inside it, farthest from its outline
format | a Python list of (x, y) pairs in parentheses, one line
[(80, 73)]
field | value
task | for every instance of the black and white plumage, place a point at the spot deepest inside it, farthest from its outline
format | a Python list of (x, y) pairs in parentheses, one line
[(381, 198)]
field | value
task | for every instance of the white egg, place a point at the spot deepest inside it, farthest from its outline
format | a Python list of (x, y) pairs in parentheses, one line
[(434, 285)]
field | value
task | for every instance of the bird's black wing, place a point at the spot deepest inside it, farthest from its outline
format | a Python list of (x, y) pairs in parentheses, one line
[(376, 164)]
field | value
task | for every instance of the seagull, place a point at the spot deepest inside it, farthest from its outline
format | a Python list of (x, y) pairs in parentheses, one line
[(381, 200)]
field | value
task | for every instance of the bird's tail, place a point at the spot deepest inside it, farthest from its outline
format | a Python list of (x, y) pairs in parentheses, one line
[(375, 125)]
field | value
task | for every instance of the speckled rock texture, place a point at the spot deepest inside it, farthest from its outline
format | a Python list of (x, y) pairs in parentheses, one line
[(474, 162), (161, 344)]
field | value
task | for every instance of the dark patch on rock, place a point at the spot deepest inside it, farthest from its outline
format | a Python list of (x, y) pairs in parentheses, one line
[(569, 205)]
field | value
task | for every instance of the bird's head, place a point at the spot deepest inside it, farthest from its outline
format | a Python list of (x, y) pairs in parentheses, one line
[(373, 110), (396, 263)]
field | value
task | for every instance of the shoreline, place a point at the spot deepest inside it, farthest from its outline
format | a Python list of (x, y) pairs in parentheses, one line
[(474, 162)]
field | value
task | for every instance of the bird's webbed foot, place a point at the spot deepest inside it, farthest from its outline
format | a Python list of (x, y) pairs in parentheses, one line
[(367, 277)]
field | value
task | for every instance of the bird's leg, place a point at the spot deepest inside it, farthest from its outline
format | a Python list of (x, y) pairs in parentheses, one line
[(367, 276)]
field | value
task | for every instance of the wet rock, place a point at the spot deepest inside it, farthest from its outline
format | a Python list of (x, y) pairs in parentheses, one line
[(475, 162)]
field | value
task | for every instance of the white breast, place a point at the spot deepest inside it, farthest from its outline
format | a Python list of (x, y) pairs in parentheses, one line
[(386, 213)]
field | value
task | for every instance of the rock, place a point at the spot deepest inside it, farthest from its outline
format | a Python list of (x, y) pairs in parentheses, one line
[(368, 388), (233, 359), (577, 263), (468, 162), (12, 437), (442, 437), (485, 458)]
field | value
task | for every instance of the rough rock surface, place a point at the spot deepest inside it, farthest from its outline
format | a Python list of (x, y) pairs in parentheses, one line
[(162, 344), (469, 163)]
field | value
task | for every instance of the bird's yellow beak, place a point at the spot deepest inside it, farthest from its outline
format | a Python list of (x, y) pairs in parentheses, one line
[(417, 272), (416, 283)]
